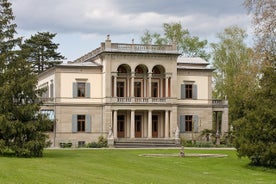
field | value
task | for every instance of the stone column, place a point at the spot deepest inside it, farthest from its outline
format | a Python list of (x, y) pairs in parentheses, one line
[(115, 124), (149, 86), (166, 124), (132, 126), (167, 87), (149, 124), (115, 86), (132, 85)]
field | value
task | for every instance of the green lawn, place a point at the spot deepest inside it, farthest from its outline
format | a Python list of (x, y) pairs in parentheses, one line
[(126, 166)]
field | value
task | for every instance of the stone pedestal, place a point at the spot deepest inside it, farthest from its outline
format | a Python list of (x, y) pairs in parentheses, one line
[(110, 142)]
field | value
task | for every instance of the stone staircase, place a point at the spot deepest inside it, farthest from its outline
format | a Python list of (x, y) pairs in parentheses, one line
[(144, 143)]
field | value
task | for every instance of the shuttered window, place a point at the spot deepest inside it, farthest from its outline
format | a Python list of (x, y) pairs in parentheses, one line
[(81, 123), (188, 123), (81, 89), (188, 91)]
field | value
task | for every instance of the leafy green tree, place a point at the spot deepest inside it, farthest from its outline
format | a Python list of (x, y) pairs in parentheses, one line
[(187, 45), (21, 126), (235, 71), (41, 51), (256, 131)]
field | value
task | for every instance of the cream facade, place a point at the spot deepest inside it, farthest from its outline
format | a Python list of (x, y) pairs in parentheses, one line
[(130, 92)]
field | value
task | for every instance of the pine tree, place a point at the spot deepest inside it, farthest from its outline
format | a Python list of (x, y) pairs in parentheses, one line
[(41, 51), (21, 126)]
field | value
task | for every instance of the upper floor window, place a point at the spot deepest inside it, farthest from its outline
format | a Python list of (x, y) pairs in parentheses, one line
[(188, 91), (137, 89), (120, 89), (81, 89), (154, 89)]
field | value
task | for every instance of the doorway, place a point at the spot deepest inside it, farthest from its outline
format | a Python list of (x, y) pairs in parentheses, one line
[(154, 126), (121, 126), (138, 126)]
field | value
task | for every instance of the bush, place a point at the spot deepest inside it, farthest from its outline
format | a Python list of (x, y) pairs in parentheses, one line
[(2, 146), (102, 142)]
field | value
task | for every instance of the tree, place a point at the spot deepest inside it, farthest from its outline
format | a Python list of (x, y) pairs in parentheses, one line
[(264, 22), (187, 45), (21, 126), (41, 51), (256, 130), (235, 72)]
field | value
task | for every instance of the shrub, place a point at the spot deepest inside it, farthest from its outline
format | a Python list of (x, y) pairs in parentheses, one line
[(102, 142)]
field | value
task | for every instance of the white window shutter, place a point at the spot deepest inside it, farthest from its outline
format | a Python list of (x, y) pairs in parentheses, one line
[(194, 91), (182, 123), (87, 123), (195, 121), (74, 123), (87, 90), (183, 91), (75, 90)]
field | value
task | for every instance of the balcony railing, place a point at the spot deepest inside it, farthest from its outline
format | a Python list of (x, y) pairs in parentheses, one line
[(141, 100), (219, 102), (122, 47)]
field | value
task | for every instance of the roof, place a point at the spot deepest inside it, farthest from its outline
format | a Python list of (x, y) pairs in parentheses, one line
[(191, 60), (89, 63)]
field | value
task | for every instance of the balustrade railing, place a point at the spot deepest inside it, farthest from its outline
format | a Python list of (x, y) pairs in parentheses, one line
[(128, 48), (139, 100)]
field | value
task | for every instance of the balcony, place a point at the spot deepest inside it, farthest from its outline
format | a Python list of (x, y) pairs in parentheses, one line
[(216, 104), (122, 47), (140, 100)]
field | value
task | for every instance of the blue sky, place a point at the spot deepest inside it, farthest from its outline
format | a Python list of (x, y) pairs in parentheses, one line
[(81, 25)]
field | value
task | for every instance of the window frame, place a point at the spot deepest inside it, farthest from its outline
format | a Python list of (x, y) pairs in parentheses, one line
[(81, 91), (81, 121)]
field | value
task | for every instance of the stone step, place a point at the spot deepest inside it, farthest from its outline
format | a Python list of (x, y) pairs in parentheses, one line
[(140, 143)]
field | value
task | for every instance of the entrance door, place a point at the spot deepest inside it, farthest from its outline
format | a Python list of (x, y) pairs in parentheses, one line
[(138, 126), (121, 126), (155, 126)]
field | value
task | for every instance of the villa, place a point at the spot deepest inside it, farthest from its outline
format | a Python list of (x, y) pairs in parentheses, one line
[(131, 93)]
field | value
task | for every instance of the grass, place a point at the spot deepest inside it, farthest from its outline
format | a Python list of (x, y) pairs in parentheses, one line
[(125, 166)]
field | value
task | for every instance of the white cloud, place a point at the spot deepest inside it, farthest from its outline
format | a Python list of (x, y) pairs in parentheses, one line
[(85, 22)]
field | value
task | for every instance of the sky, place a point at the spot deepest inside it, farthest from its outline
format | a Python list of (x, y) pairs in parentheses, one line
[(81, 25)]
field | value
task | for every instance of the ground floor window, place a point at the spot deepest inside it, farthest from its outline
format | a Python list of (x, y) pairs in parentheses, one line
[(81, 123), (188, 123)]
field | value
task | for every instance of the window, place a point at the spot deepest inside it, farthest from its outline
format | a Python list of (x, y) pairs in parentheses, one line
[(154, 89), (137, 89), (81, 89), (49, 113), (81, 123), (120, 89), (188, 91), (188, 123)]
